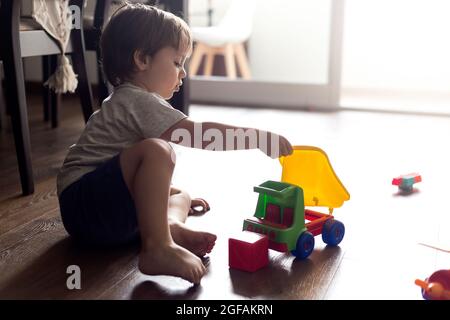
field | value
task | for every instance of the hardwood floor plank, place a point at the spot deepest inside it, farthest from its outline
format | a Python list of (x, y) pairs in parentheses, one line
[(18, 210), (34, 259), (284, 278), (367, 150)]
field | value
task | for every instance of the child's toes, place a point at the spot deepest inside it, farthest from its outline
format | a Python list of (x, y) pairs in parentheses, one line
[(210, 246), (211, 238)]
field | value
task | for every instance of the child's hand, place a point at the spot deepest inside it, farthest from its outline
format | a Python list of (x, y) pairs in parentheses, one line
[(198, 206), (276, 146), (285, 147)]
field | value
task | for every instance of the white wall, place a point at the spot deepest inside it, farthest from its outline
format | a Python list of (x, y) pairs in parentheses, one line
[(397, 44), (198, 11), (290, 41)]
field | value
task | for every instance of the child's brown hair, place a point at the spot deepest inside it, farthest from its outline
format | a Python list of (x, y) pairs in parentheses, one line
[(139, 27)]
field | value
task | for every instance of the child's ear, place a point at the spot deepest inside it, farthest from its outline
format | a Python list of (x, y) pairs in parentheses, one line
[(141, 60)]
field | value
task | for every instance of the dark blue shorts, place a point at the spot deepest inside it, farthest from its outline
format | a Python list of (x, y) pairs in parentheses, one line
[(98, 209)]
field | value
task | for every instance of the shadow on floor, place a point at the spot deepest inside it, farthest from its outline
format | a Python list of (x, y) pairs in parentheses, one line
[(288, 278), (150, 290), (45, 277)]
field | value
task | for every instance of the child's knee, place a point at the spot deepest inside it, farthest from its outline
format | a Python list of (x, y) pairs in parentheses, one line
[(158, 149), (180, 194), (186, 196)]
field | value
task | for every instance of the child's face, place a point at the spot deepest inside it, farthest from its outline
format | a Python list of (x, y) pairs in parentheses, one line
[(163, 73)]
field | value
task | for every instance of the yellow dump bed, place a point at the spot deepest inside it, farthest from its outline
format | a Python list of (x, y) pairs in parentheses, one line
[(309, 168)]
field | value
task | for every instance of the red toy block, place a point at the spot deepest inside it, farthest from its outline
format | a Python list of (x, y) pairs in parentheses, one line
[(248, 251), (273, 213), (288, 216)]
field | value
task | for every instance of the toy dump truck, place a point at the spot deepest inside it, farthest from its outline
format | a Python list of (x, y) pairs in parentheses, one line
[(307, 180)]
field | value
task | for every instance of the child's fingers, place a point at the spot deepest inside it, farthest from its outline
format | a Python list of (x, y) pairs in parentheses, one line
[(290, 148), (284, 151), (199, 202), (205, 203), (287, 148)]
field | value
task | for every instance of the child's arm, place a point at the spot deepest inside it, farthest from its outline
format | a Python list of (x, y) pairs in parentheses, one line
[(219, 136)]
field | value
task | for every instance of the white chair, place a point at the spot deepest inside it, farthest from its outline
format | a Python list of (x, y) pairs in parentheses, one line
[(227, 39)]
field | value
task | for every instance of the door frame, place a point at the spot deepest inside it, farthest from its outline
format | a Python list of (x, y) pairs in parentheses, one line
[(218, 90)]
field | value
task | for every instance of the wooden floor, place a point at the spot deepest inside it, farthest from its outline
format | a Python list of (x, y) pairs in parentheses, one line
[(379, 258)]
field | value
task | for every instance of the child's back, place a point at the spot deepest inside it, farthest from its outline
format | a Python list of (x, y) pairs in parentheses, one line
[(129, 115)]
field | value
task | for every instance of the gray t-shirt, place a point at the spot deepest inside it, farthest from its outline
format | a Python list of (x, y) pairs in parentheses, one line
[(128, 116)]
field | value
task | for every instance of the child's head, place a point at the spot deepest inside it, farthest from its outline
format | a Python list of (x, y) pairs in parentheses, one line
[(134, 37)]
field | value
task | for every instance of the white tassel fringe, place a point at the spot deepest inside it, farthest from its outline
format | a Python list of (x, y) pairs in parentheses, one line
[(64, 79)]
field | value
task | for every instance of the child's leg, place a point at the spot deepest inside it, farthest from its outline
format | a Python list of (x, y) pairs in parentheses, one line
[(179, 204), (197, 242), (147, 169)]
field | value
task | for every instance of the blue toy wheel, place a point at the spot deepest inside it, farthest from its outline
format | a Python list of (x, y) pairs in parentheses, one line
[(425, 294), (333, 232), (305, 245)]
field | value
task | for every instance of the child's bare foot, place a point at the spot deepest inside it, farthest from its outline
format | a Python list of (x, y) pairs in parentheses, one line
[(198, 242), (172, 260), (195, 204)]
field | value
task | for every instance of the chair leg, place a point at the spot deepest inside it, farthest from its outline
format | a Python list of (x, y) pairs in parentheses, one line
[(209, 62), (196, 58), (102, 9), (104, 89), (54, 98), (51, 100), (15, 97), (55, 102), (3, 85), (46, 72), (79, 62), (182, 96), (84, 87), (241, 58), (230, 64), (2, 101), (15, 90)]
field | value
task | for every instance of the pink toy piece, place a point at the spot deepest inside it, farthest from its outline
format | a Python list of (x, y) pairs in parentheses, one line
[(396, 181), (248, 251), (442, 278), (405, 182), (437, 286)]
